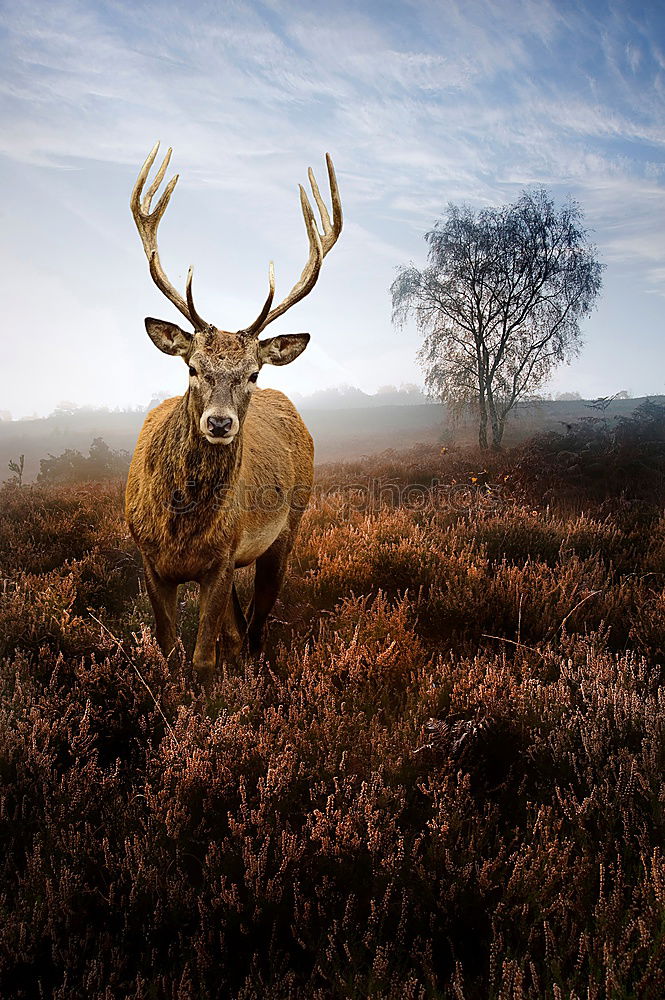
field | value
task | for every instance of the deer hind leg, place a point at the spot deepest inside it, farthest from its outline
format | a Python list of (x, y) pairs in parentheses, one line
[(270, 570), (233, 628), (164, 599), (238, 619)]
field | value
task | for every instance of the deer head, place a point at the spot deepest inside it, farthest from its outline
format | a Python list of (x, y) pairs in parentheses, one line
[(223, 365)]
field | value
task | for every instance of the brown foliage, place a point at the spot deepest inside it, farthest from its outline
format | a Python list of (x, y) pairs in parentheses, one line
[(445, 779)]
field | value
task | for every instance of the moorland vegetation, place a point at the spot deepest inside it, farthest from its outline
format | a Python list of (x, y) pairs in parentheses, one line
[(445, 778)]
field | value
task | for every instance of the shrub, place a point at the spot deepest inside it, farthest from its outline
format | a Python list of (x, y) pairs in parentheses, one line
[(102, 463)]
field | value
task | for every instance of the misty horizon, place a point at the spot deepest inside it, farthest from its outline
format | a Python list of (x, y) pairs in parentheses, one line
[(342, 396)]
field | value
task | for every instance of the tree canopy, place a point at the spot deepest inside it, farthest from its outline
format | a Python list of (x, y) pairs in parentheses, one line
[(499, 302)]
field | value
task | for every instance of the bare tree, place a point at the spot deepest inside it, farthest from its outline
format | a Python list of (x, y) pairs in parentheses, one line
[(499, 303)]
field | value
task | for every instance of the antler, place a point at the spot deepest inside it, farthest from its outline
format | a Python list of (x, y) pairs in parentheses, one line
[(319, 246), (147, 223)]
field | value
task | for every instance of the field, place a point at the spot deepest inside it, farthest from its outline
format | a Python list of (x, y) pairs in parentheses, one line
[(340, 432), (444, 780)]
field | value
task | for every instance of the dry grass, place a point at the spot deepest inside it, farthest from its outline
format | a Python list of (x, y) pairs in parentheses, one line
[(303, 829)]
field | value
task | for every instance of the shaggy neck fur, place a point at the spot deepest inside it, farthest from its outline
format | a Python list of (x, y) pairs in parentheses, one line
[(193, 471)]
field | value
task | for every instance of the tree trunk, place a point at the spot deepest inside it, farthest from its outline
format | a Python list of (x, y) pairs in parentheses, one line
[(498, 424), (497, 434), (482, 396), (495, 420), (482, 427)]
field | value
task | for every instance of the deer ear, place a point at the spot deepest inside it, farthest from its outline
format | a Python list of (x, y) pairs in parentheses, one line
[(283, 349), (168, 337)]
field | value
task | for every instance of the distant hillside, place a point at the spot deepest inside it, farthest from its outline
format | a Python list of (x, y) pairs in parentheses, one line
[(348, 397), (339, 432)]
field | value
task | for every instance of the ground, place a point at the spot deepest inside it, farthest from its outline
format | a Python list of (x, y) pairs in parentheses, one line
[(445, 779)]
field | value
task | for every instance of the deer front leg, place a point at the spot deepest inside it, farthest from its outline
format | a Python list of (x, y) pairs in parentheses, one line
[(164, 599), (214, 601)]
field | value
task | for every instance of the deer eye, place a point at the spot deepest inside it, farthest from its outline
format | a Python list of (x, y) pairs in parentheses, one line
[(253, 377), (192, 371)]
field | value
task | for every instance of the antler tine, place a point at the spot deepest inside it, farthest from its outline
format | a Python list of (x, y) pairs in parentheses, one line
[(135, 200), (159, 177), (257, 325), (319, 245), (320, 204), (195, 318), (332, 230), (147, 223), (338, 219)]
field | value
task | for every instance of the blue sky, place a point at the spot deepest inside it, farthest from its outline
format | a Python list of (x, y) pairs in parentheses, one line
[(419, 103)]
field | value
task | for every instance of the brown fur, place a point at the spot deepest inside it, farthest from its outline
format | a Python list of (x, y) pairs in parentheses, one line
[(198, 511)]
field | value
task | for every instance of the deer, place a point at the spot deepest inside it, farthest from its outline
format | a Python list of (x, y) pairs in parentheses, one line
[(221, 476)]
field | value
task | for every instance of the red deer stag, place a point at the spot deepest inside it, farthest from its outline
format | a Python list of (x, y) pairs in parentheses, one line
[(220, 476)]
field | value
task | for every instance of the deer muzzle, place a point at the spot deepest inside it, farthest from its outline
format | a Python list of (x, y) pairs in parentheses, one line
[(219, 428)]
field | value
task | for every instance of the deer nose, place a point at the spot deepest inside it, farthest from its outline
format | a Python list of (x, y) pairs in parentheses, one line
[(219, 426)]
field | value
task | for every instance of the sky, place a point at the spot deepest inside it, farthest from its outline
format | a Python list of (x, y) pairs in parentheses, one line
[(419, 102)]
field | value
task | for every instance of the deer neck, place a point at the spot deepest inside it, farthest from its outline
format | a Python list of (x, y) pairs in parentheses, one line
[(195, 468)]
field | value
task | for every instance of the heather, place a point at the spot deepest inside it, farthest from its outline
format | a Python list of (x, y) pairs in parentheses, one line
[(444, 779)]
